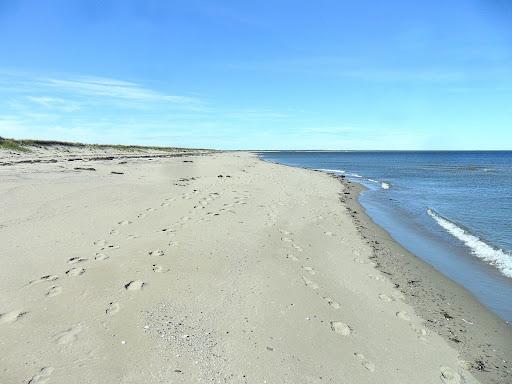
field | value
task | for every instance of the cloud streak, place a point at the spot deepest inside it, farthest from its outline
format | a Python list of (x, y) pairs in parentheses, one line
[(51, 90), (112, 88), (55, 103)]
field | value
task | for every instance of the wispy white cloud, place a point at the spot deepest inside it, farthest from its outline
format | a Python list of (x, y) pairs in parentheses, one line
[(55, 102), (112, 88), (58, 88)]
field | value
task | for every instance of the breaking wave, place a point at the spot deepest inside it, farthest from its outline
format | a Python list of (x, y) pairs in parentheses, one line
[(494, 256), (383, 184)]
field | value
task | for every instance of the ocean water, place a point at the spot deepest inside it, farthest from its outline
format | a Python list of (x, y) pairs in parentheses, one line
[(451, 209)]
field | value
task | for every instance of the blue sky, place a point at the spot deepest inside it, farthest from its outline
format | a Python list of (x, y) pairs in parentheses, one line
[(394, 74)]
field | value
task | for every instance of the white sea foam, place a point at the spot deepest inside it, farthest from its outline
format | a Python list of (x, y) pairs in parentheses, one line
[(497, 257), (331, 170), (383, 184)]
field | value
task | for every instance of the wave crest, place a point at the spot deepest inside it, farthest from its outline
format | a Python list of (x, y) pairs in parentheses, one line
[(383, 184), (497, 257), (330, 170)]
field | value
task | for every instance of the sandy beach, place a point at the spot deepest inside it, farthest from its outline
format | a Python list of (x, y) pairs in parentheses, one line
[(190, 266)]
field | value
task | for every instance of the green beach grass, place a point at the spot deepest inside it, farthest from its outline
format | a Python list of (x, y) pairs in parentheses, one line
[(12, 145), (24, 146)]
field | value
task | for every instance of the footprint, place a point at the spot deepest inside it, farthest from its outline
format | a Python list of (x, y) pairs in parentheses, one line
[(465, 365), (68, 336), (134, 285), (124, 222), (173, 243), (291, 257), (365, 362), (101, 256), (403, 315), (12, 316), (309, 270), (159, 269), (297, 247), (131, 237), (309, 283), (100, 243), (54, 290), (328, 233), (341, 328), (449, 376), (76, 260), (286, 240), (422, 333), (112, 308), (42, 377), (44, 278), (332, 303), (386, 298), (286, 233), (359, 261), (114, 232), (376, 277), (156, 252), (75, 272)]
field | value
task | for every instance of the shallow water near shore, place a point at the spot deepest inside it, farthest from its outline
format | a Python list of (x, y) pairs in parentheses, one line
[(451, 209)]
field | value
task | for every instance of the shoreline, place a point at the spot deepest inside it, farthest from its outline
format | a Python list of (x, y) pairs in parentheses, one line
[(483, 339)]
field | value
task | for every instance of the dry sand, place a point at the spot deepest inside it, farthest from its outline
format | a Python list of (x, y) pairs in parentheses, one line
[(218, 268)]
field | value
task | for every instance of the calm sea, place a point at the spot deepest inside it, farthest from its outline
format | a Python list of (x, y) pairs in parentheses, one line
[(451, 209)]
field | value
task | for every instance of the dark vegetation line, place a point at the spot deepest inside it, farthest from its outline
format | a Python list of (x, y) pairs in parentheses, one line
[(24, 145)]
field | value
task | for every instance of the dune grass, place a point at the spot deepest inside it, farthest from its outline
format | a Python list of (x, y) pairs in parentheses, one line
[(24, 146), (12, 145)]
